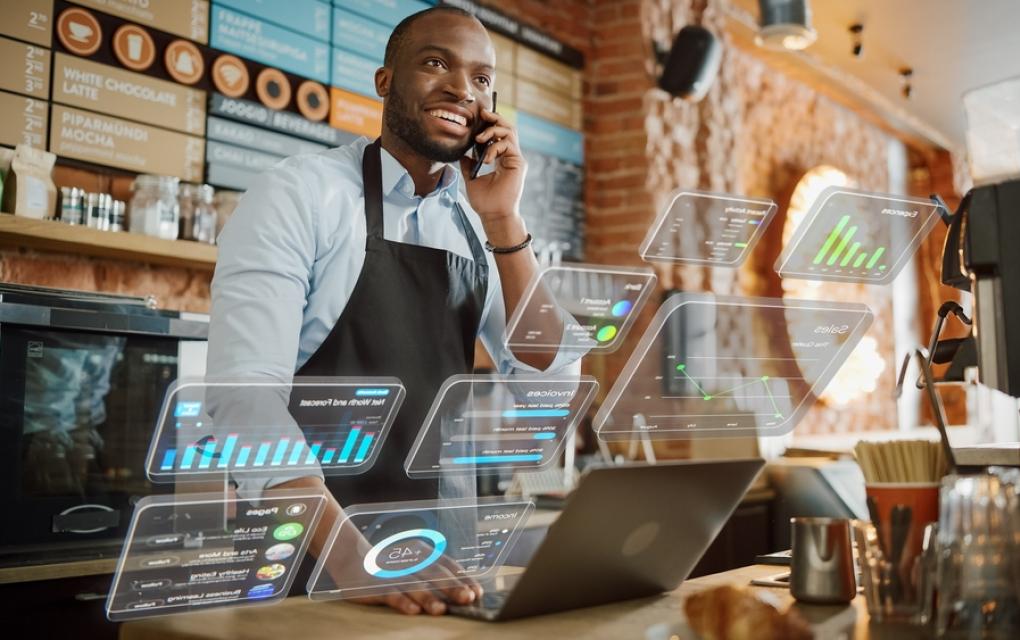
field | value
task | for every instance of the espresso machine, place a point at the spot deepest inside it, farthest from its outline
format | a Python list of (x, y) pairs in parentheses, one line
[(981, 256)]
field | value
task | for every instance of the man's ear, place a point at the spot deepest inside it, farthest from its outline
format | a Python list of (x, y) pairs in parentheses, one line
[(383, 78)]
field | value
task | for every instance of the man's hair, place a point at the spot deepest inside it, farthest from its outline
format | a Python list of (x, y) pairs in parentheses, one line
[(400, 33)]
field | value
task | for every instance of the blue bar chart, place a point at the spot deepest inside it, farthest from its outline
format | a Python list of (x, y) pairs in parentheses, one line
[(286, 453), (337, 426)]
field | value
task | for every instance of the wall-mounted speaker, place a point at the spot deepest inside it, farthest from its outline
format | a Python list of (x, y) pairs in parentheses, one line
[(690, 67)]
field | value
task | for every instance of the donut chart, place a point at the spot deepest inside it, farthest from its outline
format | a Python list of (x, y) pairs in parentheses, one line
[(371, 562)]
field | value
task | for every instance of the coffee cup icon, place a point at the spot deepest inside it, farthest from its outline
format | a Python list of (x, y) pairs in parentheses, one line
[(184, 63), (135, 43), (80, 32)]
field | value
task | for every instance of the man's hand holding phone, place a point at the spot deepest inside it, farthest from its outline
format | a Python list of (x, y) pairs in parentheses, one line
[(496, 195)]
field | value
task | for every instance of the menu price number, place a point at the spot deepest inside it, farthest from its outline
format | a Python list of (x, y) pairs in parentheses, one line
[(194, 114), (199, 20), (35, 123), (35, 69), (38, 21), (194, 157)]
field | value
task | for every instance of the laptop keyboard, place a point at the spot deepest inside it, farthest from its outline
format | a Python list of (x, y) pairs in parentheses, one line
[(493, 600)]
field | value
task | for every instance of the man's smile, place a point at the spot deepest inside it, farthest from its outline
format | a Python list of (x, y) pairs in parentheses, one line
[(448, 116), (451, 119)]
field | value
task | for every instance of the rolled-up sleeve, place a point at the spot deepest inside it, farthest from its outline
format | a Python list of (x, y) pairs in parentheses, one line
[(262, 279)]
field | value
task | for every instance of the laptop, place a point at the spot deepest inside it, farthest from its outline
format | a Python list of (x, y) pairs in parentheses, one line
[(626, 532)]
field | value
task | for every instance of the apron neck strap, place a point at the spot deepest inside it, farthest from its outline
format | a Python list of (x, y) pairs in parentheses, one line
[(371, 171), (477, 253)]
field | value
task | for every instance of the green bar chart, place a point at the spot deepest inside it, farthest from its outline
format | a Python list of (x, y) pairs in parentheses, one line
[(855, 236), (836, 246)]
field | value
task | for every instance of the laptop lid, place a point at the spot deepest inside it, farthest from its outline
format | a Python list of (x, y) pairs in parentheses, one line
[(628, 532)]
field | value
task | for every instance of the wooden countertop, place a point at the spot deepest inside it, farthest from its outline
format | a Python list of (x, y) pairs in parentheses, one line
[(33, 572), (301, 618)]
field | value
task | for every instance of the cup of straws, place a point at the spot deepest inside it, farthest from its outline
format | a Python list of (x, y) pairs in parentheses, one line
[(902, 479)]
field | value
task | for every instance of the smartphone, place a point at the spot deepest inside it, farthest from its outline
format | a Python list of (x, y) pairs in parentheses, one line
[(482, 148)]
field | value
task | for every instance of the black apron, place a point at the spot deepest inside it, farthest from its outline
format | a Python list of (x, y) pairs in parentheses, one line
[(414, 314)]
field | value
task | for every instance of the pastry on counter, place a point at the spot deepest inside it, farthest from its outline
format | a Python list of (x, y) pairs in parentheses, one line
[(733, 613)]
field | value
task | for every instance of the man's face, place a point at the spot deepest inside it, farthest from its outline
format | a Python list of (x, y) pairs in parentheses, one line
[(439, 81)]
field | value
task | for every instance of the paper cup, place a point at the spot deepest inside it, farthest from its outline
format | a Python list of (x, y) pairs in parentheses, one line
[(921, 497)]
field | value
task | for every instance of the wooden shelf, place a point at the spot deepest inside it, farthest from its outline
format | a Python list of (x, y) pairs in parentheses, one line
[(48, 235), (33, 573)]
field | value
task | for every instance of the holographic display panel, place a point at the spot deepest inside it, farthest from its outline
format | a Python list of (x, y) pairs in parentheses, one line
[(714, 366), (856, 236), (197, 551), (251, 428), (484, 424), (707, 228), (579, 308), (414, 545)]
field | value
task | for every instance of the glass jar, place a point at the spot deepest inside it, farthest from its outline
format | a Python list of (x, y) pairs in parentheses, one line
[(198, 216), (154, 208)]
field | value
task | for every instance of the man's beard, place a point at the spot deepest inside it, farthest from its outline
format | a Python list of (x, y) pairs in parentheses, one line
[(413, 133)]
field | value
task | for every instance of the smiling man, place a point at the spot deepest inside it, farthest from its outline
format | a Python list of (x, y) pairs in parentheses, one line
[(371, 260)]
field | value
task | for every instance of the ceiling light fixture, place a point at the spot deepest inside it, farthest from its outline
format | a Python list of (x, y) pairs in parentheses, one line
[(855, 33), (785, 25), (906, 73)]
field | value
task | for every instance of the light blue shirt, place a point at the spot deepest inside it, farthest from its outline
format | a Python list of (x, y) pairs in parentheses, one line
[(291, 253), (289, 258)]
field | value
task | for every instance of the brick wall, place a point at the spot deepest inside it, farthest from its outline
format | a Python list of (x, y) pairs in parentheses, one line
[(756, 133)]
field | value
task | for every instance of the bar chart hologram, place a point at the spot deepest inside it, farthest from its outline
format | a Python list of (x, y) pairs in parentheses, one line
[(337, 427), (855, 236)]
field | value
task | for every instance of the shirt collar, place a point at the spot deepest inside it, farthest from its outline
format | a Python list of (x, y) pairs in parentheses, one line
[(396, 177)]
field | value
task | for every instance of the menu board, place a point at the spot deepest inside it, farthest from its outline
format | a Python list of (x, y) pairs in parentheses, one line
[(187, 18), (308, 17), (28, 20), (139, 86), (388, 12), (282, 121), (22, 120), (269, 44), (25, 70), (543, 136), (353, 32), (113, 142), (555, 107), (506, 54), (254, 138), (354, 72), (550, 73), (99, 87), (355, 113), (553, 202), (247, 159)]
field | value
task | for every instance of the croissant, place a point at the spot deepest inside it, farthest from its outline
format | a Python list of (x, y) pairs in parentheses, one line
[(733, 613)]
